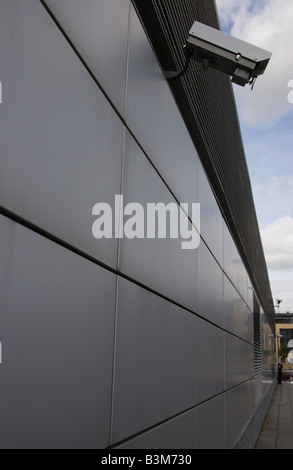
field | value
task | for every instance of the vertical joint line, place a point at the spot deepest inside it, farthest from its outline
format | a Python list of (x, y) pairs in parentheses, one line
[(113, 366)]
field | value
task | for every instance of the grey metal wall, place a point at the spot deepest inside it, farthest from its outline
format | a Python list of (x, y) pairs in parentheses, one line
[(124, 343)]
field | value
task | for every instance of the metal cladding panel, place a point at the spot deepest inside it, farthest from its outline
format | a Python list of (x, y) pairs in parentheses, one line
[(211, 361), (155, 361), (154, 118), (200, 428), (238, 317), (232, 259), (176, 358), (207, 104), (236, 416), (177, 433), (98, 29), (210, 287), (211, 220), (238, 361), (61, 141), (211, 424), (158, 263), (56, 322)]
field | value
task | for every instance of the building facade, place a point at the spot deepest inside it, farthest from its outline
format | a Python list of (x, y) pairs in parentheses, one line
[(284, 334), (120, 342)]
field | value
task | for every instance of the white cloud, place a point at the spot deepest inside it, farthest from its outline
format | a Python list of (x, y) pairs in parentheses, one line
[(277, 238), (272, 197), (267, 24), (281, 285)]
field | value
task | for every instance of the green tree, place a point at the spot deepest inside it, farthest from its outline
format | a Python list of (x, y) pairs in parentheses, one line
[(284, 351)]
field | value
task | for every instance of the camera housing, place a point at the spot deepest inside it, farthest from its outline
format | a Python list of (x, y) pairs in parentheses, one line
[(239, 59)]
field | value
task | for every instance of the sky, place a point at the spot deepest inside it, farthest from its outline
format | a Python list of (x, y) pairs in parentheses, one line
[(266, 120)]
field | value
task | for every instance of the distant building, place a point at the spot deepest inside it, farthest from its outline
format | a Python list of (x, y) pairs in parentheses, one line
[(284, 333)]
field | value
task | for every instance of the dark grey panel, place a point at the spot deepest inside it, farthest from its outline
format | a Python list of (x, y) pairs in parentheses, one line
[(57, 327), (211, 220), (239, 365), (211, 424), (243, 281), (155, 361), (210, 361), (239, 408), (210, 288), (201, 428), (61, 142), (250, 295), (153, 117), (235, 269), (238, 318), (178, 433), (7, 9), (99, 31), (232, 260), (161, 264), (248, 328)]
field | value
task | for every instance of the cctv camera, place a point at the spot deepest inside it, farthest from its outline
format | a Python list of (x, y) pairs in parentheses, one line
[(215, 49)]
